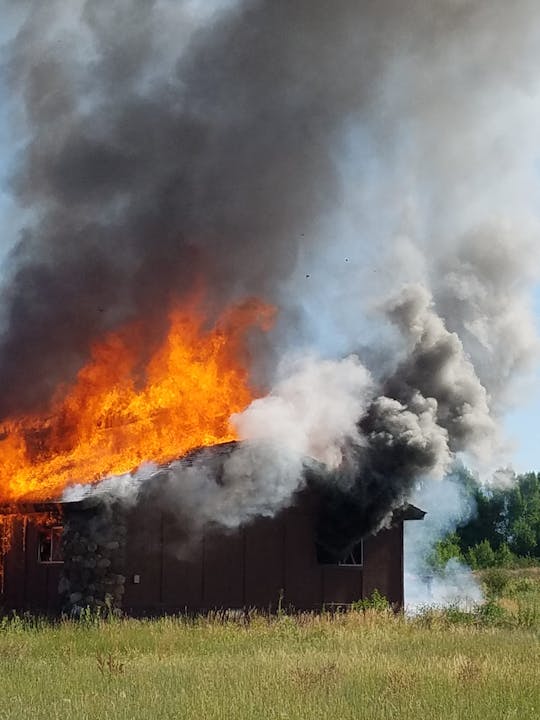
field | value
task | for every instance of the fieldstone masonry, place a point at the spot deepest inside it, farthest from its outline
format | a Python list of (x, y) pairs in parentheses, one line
[(94, 544)]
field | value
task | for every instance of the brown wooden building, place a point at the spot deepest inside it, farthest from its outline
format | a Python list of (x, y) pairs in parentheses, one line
[(64, 557)]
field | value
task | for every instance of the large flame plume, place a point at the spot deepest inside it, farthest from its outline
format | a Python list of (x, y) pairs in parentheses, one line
[(118, 414)]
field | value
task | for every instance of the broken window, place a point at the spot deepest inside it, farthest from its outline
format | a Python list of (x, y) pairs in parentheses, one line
[(353, 558), (50, 545)]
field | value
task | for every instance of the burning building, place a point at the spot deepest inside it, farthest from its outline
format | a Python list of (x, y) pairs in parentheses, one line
[(248, 524), (227, 525), (279, 223), (101, 553)]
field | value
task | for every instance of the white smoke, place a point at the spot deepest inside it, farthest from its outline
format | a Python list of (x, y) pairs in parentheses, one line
[(447, 504), (485, 294), (124, 488), (452, 586), (313, 409), (254, 479)]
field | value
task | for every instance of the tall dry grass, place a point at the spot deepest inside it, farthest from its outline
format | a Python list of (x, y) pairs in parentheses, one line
[(362, 664)]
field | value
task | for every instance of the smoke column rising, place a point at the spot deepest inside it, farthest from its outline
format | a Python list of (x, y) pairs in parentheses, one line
[(368, 167)]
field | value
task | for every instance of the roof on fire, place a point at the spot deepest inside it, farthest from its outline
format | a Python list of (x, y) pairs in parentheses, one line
[(94, 498)]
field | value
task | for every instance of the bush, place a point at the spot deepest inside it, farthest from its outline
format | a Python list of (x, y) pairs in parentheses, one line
[(504, 557), (491, 613), (522, 585), (481, 556), (528, 615), (495, 581), (455, 615), (376, 601)]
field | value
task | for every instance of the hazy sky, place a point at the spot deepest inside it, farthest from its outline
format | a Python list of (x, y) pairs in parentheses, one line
[(523, 424)]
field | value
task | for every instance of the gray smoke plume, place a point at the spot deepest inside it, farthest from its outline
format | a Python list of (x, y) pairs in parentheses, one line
[(433, 406), (324, 156), (159, 148), (483, 291), (143, 179), (437, 367)]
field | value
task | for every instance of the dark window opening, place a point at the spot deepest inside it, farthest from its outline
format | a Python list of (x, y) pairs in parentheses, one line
[(50, 545), (352, 558), (355, 557)]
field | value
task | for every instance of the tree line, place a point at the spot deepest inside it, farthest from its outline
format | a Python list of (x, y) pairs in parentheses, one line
[(504, 532)]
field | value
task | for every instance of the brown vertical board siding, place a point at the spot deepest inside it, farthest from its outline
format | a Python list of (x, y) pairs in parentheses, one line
[(14, 581), (341, 585), (264, 554), (303, 574), (223, 570), (401, 572), (249, 567), (36, 586), (29, 584), (143, 558), (182, 569), (54, 601), (383, 564)]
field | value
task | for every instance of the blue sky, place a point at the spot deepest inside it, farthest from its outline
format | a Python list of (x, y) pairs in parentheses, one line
[(522, 423)]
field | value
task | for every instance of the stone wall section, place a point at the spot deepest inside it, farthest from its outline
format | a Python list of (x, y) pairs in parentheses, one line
[(94, 548)]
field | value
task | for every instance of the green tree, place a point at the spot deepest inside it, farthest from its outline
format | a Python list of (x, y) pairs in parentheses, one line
[(524, 515), (489, 522), (481, 556), (504, 557), (506, 525), (444, 551)]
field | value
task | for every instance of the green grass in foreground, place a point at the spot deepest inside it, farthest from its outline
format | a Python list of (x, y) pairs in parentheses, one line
[(356, 665)]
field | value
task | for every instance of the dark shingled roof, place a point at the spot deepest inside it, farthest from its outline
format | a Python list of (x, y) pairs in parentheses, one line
[(409, 512)]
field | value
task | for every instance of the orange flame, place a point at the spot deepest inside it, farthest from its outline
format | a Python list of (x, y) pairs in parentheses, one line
[(115, 417)]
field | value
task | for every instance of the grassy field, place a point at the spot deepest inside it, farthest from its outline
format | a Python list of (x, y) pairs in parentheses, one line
[(371, 665)]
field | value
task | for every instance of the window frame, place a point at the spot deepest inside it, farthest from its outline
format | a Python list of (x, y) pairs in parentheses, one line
[(344, 563), (42, 531)]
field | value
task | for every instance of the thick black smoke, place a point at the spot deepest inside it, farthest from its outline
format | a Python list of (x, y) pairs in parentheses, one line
[(433, 406), (158, 150), (162, 151), (214, 167)]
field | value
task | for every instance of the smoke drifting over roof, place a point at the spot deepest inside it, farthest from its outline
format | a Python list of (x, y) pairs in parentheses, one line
[(331, 157)]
